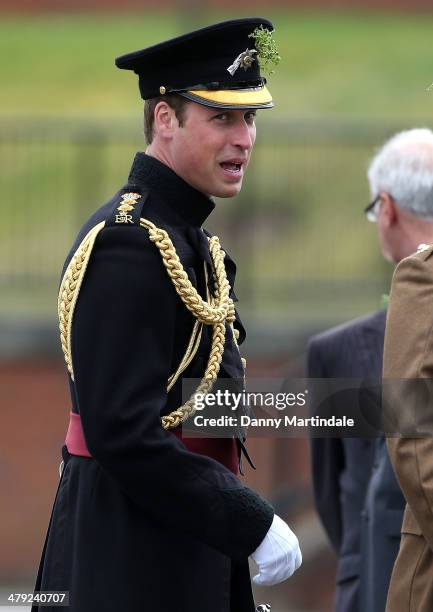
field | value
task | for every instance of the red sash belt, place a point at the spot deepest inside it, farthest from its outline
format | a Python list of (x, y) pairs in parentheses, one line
[(220, 449), (75, 442)]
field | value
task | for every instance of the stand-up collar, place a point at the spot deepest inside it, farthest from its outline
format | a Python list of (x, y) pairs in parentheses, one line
[(188, 205)]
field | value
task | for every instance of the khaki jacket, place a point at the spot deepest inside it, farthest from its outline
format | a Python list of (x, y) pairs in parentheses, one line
[(408, 354)]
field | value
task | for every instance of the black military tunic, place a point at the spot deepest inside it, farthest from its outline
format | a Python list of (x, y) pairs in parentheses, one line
[(146, 524)]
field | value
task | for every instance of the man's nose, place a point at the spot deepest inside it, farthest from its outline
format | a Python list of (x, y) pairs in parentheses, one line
[(243, 136)]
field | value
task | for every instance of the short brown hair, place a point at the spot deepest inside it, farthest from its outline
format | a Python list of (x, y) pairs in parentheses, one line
[(176, 102)]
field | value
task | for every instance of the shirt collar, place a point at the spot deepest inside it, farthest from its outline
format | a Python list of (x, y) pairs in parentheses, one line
[(186, 203)]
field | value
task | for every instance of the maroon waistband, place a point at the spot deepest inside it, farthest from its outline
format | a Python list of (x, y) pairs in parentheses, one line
[(222, 450), (75, 442)]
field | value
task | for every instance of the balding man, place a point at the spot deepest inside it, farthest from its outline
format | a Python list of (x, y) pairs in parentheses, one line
[(357, 495), (403, 180)]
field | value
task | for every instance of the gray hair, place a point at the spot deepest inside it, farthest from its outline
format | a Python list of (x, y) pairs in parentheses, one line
[(403, 168)]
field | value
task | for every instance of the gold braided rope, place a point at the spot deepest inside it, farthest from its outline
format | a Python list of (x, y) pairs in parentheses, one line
[(190, 353), (216, 311), (175, 418), (180, 415), (69, 290), (204, 311)]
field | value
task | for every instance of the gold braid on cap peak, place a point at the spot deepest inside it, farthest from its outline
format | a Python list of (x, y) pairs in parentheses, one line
[(215, 310)]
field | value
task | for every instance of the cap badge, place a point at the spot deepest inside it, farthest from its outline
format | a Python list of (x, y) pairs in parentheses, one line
[(129, 200), (244, 60)]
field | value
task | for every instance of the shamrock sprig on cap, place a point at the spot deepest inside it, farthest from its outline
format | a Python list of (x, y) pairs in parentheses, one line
[(266, 48)]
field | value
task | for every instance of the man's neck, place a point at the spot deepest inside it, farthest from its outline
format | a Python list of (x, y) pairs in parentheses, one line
[(154, 151), (423, 234)]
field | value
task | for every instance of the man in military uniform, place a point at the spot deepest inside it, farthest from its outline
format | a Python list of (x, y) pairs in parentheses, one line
[(408, 366), (143, 517)]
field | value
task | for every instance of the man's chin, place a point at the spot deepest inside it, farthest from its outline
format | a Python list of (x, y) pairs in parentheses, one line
[(228, 191)]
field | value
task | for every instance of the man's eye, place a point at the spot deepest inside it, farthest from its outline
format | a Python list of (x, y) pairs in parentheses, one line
[(250, 117), (221, 116)]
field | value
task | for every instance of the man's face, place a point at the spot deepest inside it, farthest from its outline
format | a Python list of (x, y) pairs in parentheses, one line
[(212, 149)]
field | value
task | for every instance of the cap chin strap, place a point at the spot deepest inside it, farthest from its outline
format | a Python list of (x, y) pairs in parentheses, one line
[(217, 85)]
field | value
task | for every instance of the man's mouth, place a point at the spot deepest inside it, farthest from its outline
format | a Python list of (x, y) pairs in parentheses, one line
[(231, 166)]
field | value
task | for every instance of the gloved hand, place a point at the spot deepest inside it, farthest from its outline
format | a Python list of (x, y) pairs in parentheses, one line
[(278, 556)]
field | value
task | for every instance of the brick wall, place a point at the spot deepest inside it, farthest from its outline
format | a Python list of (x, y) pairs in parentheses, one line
[(33, 417)]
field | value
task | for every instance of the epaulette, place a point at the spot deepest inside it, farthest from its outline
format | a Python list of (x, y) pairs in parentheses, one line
[(423, 251), (126, 211), (128, 207)]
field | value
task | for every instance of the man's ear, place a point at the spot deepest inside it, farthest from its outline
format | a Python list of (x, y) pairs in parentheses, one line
[(389, 209), (164, 121)]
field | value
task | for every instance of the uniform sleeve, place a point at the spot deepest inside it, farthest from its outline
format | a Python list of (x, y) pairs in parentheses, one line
[(122, 337), (407, 356), (327, 463)]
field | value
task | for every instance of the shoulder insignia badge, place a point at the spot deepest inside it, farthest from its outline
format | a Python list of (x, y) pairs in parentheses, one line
[(129, 200), (423, 247)]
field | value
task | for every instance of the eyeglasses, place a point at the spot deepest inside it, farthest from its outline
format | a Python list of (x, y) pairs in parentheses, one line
[(372, 210)]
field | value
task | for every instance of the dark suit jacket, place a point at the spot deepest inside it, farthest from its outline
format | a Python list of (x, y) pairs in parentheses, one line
[(381, 526), (354, 485)]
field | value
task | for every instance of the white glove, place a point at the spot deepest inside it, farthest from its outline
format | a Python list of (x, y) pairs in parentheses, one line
[(278, 556)]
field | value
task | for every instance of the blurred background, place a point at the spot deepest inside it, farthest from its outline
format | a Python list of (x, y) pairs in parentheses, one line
[(352, 73)]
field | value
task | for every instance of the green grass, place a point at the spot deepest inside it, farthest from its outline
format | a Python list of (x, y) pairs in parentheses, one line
[(333, 64), (299, 216)]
